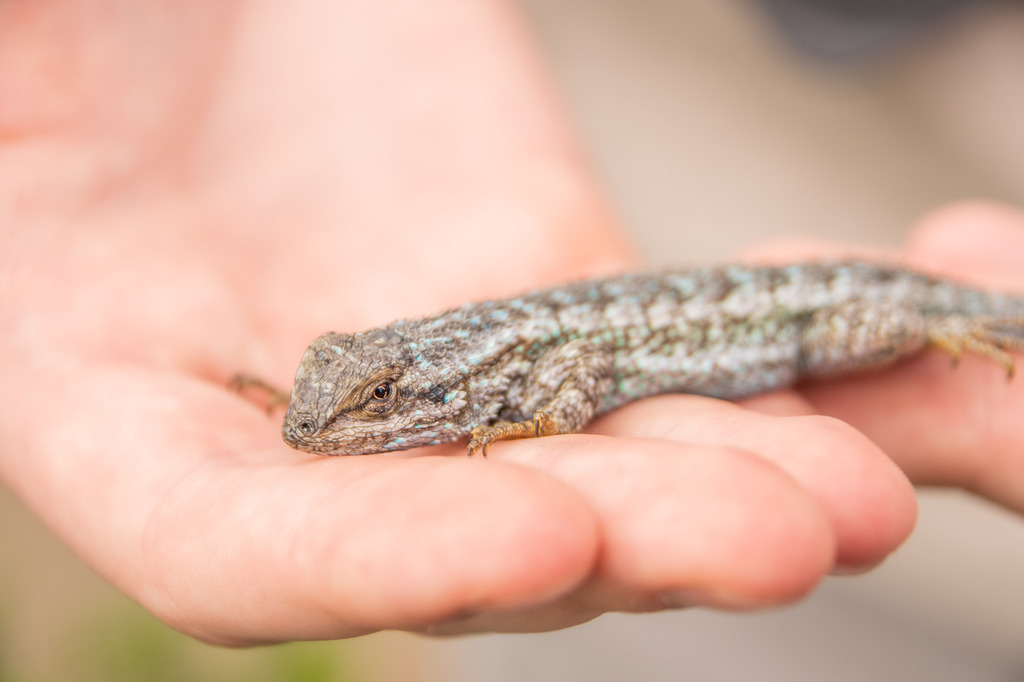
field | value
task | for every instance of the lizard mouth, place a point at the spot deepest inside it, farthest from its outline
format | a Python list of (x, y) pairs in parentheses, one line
[(298, 438), (293, 437)]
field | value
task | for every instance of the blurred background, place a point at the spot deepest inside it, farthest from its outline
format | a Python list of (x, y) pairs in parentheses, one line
[(714, 125)]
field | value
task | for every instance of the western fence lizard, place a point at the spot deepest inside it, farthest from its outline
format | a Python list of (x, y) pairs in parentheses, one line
[(546, 362)]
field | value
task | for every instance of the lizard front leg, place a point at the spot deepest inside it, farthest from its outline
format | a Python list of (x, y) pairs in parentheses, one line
[(273, 396), (562, 391)]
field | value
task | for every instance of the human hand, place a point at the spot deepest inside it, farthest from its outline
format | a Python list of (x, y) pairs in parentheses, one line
[(150, 256), (125, 440)]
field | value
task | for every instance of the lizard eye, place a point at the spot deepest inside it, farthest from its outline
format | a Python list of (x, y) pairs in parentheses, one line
[(306, 427), (382, 399), (383, 391)]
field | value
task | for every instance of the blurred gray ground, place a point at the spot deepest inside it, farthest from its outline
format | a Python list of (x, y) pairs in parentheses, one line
[(712, 133)]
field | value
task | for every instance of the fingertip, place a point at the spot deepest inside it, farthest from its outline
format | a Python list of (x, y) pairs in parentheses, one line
[(793, 548), (868, 499), (466, 535), (871, 503), (982, 236), (541, 540), (695, 524)]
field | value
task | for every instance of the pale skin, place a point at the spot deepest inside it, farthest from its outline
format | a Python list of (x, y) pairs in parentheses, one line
[(191, 191)]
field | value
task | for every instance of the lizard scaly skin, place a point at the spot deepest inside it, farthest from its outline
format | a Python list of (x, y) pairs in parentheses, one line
[(546, 362)]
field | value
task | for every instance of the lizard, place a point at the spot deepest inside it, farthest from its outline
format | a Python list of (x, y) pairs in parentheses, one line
[(548, 361)]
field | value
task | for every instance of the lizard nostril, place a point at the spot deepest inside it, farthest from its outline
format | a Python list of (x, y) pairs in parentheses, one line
[(306, 427)]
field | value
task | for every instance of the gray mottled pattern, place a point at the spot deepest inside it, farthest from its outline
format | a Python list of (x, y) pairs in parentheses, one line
[(580, 349)]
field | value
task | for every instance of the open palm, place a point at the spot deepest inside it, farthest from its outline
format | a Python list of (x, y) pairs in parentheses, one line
[(219, 229)]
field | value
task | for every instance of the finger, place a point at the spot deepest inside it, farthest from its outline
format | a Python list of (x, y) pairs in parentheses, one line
[(223, 532), (946, 425), (377, 544), (940, 424), (684, 525), (867, 499), (978, 241)]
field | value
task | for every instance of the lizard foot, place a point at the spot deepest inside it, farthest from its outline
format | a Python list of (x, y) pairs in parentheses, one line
[(274, 396), (542, 424), (992, 336)]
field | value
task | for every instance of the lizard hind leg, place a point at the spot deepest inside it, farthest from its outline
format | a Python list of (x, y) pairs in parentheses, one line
[(859, 335), (562, 392), (991, 336)]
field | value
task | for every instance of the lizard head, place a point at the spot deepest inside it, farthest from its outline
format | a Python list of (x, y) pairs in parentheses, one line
[(357, 394)]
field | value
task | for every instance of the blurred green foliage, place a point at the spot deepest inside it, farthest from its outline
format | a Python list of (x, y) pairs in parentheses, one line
[(121, 642)]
